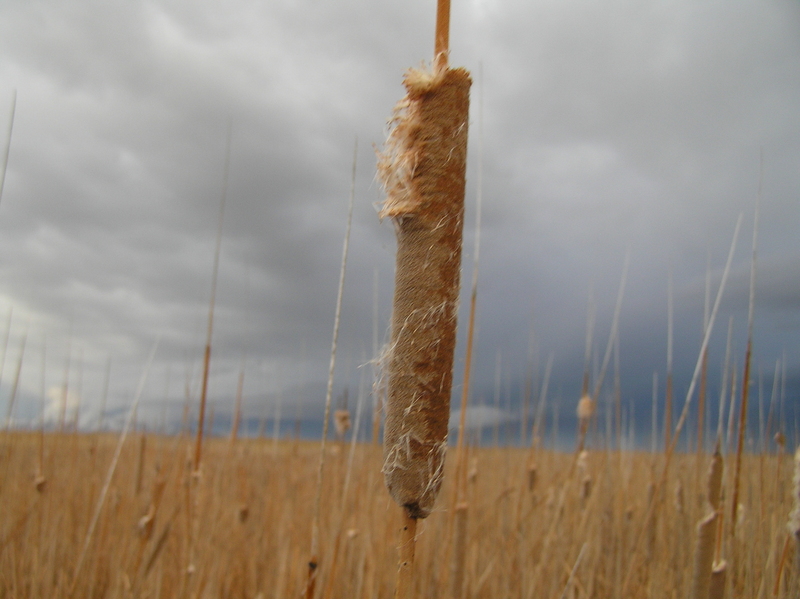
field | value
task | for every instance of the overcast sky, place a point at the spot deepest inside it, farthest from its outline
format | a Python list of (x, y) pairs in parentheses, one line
[(603, 127)]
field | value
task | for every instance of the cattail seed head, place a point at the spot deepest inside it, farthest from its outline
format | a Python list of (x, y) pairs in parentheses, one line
[(586, 407), (341, 421), (423, 170)]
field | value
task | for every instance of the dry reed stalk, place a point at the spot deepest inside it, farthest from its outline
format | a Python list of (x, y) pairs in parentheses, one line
[(747, 360), (8, 142), (15, 385), (587, 403), (334, 560), (573, 571), (668, 397), (724, 388), (137, 486), (457, 575), (313, 561), (237, 409), (701, 394), (198, 448)]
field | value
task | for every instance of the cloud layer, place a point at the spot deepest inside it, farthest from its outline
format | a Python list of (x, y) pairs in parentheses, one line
[(599, 129)]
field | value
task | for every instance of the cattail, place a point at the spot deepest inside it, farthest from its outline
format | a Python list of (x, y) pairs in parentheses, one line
[(423, 169), (341, 422)]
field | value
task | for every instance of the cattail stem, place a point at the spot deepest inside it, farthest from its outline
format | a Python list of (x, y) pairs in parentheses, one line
[(8, 142), (198, 448), (442, 46), (313, 562), (668, 396), (747, 359), (460, 551), (407, 549)]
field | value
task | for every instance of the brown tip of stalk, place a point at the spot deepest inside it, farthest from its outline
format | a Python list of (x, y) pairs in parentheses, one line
[(441, 49)]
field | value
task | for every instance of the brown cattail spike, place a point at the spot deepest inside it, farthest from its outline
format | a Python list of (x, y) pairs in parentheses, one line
[(423, 169)]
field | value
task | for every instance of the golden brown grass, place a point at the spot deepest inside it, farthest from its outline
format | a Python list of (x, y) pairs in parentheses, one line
[(242, 531)]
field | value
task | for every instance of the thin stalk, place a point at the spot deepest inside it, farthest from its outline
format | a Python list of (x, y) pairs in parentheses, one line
[(590, 315), (668, 397), (8, 142), (198, 448), (5, 343), (701, 396), (747, 361), (237, 409), (654, 416), (584, 424), (441, 49), (15, 385), (617, 396), (62, 421), (612, 338), (104, 398), (376, 402), (724, 386), (43, 399), (313, 562)]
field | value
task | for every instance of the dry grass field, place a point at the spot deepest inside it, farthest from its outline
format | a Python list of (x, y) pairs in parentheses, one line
[(242, 527)]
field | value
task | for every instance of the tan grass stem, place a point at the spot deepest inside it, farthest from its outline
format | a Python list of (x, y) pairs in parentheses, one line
[(198, 448), (7, 150), (313, 561), (747, 361)]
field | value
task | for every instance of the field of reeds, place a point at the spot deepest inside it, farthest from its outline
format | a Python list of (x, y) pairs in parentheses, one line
[(544, 524)]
